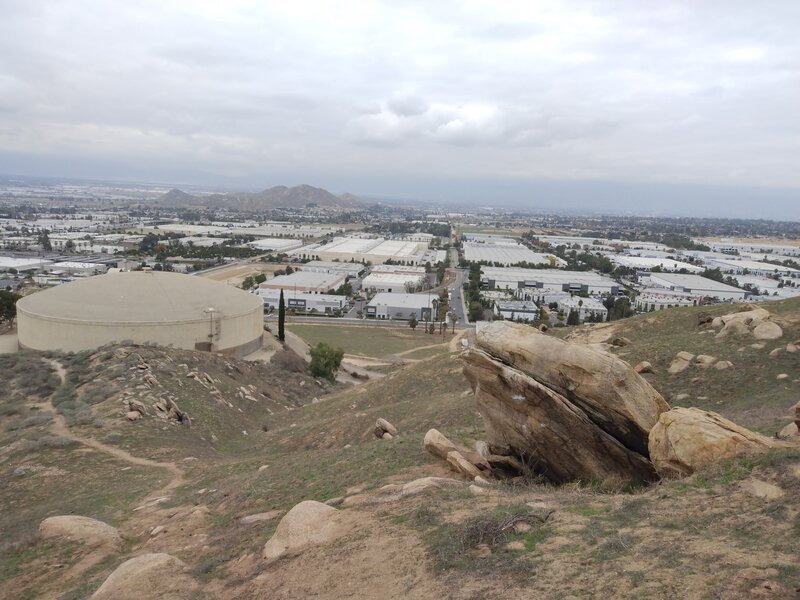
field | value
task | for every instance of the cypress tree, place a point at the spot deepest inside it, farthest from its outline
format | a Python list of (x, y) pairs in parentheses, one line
[(281, 318)]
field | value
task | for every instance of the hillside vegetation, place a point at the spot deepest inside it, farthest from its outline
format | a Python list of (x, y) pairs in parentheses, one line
[(257, 439)]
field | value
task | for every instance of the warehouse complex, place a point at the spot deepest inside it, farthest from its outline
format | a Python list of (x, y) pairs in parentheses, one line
[(167, 309), (361, 249), (532, 283), (305, 281), (699, 287)]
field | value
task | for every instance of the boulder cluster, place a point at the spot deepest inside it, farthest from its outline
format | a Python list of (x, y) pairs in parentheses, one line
[(753, 321), (566, 412)]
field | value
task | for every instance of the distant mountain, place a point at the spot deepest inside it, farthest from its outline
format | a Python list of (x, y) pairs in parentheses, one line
[(176, 197), (275, 197)]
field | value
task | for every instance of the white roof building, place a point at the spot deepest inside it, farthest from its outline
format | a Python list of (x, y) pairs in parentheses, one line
[(400, 306), (699, 287), (351, 269), (584, 307), (517, 310), (647, 263), (393, 282), (22, 264), (305, 281), (529, 283), (732, 265), (507, 255), (79, 267), (373, 250)]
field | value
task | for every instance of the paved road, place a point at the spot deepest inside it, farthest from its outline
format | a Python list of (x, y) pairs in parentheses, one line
[(456, 290)]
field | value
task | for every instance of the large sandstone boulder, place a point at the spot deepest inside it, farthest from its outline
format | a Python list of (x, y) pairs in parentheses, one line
[(80, 529), (767, 330), (567, 410), (602, 385), (560, 439), (149, 577), (306, 524), (686, 439)]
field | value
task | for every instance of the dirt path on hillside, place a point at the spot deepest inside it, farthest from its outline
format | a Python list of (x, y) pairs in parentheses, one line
[(60, 428)]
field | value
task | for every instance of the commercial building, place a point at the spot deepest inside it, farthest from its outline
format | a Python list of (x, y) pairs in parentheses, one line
[(741, 267), (534, 284), (167, 309), (79, 268), (275, 244), (395, 278), (349, 269), (305, 281), (699, 287), (654, 299), (372, 250), (303, 301), (506, 255), (585, 307), (400, 306), (517, 310), (23, 264), (645, 263)]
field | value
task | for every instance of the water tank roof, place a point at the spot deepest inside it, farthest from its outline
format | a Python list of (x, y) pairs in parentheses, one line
[(139, 297)]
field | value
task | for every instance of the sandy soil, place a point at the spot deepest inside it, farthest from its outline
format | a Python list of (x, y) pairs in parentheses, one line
[(8, 343)]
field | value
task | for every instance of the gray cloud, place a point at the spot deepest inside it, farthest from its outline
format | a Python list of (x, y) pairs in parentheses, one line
[(694, 93)]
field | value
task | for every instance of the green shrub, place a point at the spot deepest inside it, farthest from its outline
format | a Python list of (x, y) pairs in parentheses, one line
[(325, 361)]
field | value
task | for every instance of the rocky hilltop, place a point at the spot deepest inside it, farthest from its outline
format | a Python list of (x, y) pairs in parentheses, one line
[(620, 462)]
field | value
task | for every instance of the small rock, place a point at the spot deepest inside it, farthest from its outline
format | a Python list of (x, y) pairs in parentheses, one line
[(22, 471), (263, 468), (156, 530), (791, 348), (723, 364), (482, 448), (260, 517), (80, 529), (516, 545), (758, 346), (681, 397), (776, 352), (383, 426), (481, 481), (643, 367), (620, 341), (133, 415), (387, 436), (459, 464), (476, 490), (148, 576), (335, 501), (704, 360), (782, 376), (308, 523)]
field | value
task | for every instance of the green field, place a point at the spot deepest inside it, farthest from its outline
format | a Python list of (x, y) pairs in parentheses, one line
[(366, 340)]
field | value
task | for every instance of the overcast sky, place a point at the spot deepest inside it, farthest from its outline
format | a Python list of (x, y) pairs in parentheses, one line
[(660, 104)]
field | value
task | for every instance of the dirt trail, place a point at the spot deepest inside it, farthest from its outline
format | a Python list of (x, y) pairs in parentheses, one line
[(60, 428)]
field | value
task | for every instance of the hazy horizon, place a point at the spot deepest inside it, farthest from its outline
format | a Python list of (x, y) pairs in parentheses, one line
[(621, 107)]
